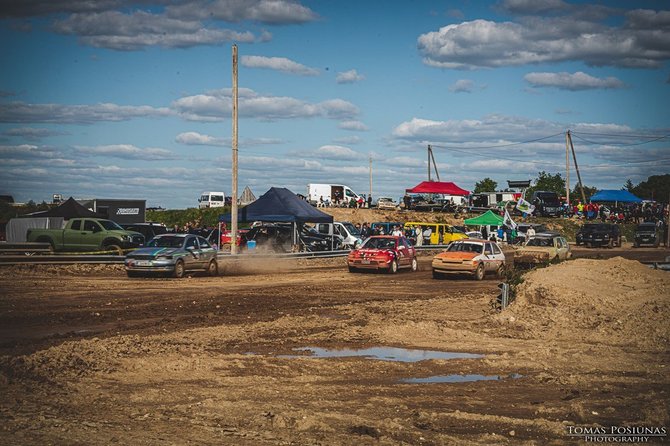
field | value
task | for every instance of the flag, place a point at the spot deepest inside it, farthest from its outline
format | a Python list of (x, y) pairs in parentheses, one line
[(507, 220), (525, 206)]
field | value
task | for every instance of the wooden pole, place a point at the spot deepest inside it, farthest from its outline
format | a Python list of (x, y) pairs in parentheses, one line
[(233, 211), (432, 156), (429, 149), (579, 177), (370, 196), (567, 171)]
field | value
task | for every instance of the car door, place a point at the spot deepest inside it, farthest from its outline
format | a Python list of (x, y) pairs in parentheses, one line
[(192, 259), (207, 252), (87, 239), (72, 236), (490, 263), (562, 247), (403, 253), (498, 255)]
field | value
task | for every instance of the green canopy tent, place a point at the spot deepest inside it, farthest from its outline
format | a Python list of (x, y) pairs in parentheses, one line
[(486, 219)]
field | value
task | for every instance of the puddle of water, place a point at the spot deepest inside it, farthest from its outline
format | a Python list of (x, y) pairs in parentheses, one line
[(385, 354), (459, 378)]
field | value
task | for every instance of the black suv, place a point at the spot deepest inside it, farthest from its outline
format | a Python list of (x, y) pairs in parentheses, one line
[(599, 234), (647, 234), (547, 203), (149, 230), (278, 237)]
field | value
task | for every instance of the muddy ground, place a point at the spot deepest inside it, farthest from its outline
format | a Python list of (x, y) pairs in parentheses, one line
[(90, 356)]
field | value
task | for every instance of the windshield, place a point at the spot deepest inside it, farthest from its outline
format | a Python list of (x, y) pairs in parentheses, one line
[(548, 198), (110, 225), (540, 242), (352, 229), (591, 228), (379, 243), (166, 242), (646, 227), (466, 247)]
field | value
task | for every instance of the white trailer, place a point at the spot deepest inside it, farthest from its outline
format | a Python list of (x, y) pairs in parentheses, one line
[(332, 193)]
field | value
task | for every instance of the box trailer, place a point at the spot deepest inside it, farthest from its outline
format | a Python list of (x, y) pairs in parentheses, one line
[(332, 193)]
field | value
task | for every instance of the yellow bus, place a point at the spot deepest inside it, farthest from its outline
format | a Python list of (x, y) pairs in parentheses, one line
[(435, 233)]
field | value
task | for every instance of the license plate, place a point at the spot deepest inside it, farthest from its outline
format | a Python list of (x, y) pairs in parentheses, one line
[(365, 262), (143, 262)]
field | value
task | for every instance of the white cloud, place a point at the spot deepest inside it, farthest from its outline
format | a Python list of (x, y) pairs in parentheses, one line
[(333, 152), (131, 32), (20, 112), (198, 139), (128, 151), (353, 125), (272, 12), (278, 63), (643, 41), (572, 81), (32, 134), (215, 105), (348, 140), (462, 86), (26, 151), (349, 77)]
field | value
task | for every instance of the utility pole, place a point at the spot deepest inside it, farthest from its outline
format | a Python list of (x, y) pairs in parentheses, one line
[(567, 171), (579, 177), (233, 211), (437, 174), (429, 152), (370, 196)]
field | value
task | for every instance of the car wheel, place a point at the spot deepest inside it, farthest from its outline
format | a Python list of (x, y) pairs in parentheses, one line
[(438, 275), (415, 264), (179, 269), (657, 243), (353, 269), (133, 274), (479, 272), (115, 248), (213, 268), (500, 272), (393, 267), (610, 244), (636, 245)]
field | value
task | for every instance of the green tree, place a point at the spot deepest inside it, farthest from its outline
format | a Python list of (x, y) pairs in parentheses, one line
[(588, 193), (657, 187), (486, 185), (548, 182), (629, 186)]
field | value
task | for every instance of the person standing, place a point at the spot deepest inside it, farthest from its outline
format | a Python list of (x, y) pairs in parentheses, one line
[(530, 233), (419, 236)]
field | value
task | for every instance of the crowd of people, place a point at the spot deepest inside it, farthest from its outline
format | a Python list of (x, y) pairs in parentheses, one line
[(340, 202), (619, 213)]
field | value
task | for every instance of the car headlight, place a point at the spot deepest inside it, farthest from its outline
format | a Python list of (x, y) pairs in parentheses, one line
[(126, 237)]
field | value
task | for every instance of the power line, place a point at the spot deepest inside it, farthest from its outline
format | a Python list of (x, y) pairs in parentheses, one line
[(620, 144), (499, 145)]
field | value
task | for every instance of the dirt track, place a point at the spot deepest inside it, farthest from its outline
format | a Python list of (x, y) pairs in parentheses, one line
[(92, 357)]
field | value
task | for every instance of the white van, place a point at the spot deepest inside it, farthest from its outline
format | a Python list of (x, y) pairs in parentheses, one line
[(332, 193), (350, 234), (212, 200)]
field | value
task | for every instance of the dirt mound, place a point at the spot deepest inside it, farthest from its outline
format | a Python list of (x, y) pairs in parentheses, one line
[(62, 270), (373, 215), (608, 302)]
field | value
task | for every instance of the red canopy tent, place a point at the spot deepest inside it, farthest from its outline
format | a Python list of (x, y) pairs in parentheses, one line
[(437, 187)]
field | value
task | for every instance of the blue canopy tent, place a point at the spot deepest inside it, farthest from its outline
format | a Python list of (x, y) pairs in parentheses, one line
[(615, 196), (280, 205)]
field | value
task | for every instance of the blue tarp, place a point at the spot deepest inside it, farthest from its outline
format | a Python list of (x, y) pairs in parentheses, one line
[(615, 195), (280, 205)]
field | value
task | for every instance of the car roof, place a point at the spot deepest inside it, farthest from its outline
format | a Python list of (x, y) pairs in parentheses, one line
[(173, 234), (387, 236)]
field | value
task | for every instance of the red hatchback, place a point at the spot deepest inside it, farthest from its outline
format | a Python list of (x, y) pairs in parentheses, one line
[(383, 252)]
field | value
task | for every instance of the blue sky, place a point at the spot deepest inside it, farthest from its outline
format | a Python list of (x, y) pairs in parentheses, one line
[(127, 99)]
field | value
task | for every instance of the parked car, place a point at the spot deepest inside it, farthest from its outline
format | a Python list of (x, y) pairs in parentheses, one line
[(387, 203), (278, 237), (470, 256), (599, 234), (647, 234), (149, 230), (87, 234), (383, 252), (436, 233), (543, 248), (174, 254)]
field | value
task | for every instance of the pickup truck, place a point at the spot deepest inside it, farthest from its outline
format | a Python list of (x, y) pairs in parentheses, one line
[(87, 234)]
